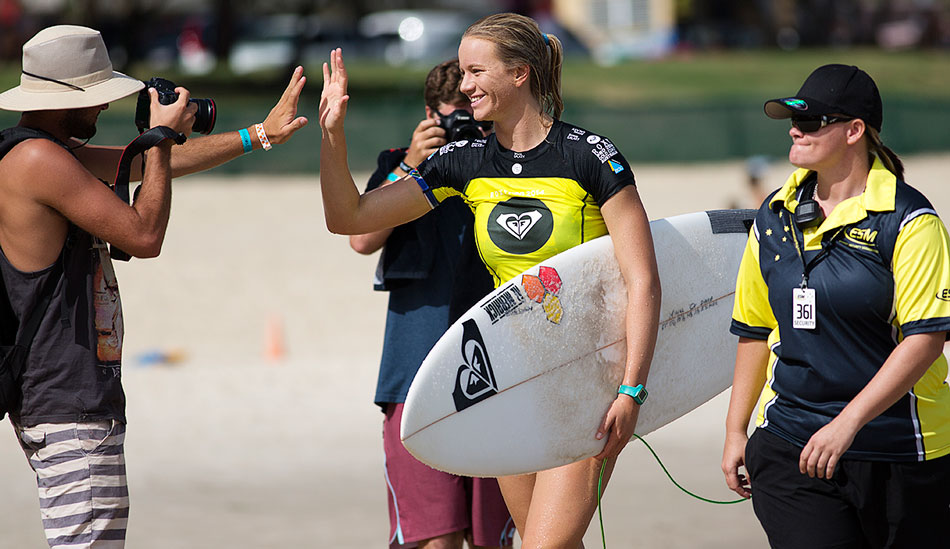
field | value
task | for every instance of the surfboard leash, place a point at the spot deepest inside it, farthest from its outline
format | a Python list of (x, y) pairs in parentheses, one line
[(600, 491)]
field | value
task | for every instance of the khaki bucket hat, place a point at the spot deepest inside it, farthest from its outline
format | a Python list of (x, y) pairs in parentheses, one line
[(67, 67)]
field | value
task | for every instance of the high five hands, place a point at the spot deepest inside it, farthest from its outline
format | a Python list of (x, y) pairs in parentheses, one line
[(333, 98), (282, 121)]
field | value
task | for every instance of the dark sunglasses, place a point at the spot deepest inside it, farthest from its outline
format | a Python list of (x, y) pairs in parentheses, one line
[(810, 124)]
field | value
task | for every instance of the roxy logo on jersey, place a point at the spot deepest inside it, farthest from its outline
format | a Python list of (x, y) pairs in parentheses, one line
[(520, 225), (475, 380)]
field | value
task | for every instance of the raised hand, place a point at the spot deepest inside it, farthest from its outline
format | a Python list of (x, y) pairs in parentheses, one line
[(333, 98), (282, 121)]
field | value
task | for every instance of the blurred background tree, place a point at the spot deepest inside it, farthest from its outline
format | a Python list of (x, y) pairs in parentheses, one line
[(668, 80)]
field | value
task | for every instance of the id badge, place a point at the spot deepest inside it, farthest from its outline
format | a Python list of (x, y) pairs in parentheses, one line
[(803, 309)]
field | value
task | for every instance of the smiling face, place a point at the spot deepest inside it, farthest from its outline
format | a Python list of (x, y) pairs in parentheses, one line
[(492, 87)]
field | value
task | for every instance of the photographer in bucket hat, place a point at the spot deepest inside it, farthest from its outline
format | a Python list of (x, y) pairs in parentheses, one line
[(56, 218)]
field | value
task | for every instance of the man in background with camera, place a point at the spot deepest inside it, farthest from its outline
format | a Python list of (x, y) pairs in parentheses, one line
[(431, 269), (56, 218)]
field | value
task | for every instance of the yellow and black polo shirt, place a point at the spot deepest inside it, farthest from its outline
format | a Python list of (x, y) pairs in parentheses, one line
[(885, 276), (529, 205)]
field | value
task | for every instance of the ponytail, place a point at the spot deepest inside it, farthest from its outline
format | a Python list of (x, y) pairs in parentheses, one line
[(550, 83), (888, 157)]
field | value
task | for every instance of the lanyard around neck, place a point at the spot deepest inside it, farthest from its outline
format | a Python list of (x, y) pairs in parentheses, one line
[(800, 249)]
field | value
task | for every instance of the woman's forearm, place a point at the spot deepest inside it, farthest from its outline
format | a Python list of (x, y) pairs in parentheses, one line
[(752, 357)]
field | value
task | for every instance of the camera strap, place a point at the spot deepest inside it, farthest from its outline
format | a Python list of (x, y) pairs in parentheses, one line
[(146, 140)]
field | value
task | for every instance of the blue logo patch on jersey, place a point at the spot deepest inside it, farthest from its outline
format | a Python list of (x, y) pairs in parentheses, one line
[(615, 167)]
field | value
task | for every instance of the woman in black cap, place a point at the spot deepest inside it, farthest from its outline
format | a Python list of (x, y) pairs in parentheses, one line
[(842, 309)]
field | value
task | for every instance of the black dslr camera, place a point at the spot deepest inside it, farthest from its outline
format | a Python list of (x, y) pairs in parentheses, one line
[(460, 125), (204, 118)]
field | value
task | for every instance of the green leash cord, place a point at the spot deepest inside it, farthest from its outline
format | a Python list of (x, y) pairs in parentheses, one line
[(600, 483)]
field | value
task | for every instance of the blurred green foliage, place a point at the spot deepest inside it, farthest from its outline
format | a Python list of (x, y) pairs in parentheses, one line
[(689, 107)]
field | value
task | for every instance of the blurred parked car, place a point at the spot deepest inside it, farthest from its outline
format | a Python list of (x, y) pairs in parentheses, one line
[(414, 36), (279, 41)]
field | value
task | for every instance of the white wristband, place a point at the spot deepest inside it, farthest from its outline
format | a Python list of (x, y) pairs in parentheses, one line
[(262, 136)]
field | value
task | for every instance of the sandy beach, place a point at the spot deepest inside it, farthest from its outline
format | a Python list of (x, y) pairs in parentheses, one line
[(264, 433)]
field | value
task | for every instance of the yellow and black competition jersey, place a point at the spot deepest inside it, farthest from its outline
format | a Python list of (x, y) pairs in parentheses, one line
[(885, 275), (529, 205)]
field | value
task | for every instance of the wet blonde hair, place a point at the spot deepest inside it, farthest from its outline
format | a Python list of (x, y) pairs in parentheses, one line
[(518, 42)]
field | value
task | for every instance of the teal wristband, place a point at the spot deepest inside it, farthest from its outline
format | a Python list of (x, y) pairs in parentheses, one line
[(638, 393), (246, 140), (392, 176)]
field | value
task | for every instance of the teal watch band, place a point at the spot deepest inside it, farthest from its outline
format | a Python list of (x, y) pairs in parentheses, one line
[(638, 393)]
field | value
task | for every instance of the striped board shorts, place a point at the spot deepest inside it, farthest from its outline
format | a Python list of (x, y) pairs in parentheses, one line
[(80, 475)]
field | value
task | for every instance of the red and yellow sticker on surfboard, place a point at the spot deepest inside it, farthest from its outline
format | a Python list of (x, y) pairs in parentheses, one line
[(522, 380), (543, 289)]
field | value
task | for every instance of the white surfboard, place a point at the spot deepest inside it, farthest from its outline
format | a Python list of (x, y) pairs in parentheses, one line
[(522, 380)]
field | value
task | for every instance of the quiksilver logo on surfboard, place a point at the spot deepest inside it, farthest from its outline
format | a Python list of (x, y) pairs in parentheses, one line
[(475, 380), (506, 301)]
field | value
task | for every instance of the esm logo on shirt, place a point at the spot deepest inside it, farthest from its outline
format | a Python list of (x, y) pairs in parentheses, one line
[(520, 225)]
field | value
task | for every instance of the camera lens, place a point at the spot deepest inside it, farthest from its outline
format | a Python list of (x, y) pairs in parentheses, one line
[(459, 126), (464, 131), (205, 117)]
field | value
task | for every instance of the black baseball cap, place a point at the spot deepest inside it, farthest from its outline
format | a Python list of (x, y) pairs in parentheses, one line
[(833, 89)]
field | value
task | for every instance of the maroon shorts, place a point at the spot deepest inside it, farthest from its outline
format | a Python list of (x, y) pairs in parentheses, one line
[(425, 503)]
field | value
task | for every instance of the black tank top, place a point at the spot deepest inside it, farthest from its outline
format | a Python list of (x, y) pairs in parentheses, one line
[(73, 371)]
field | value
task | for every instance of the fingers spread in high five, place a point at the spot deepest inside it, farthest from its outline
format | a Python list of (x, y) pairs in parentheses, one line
[(283, 121), (333, 99)]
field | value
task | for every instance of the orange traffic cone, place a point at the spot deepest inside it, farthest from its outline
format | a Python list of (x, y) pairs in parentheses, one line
[(274, 345)]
